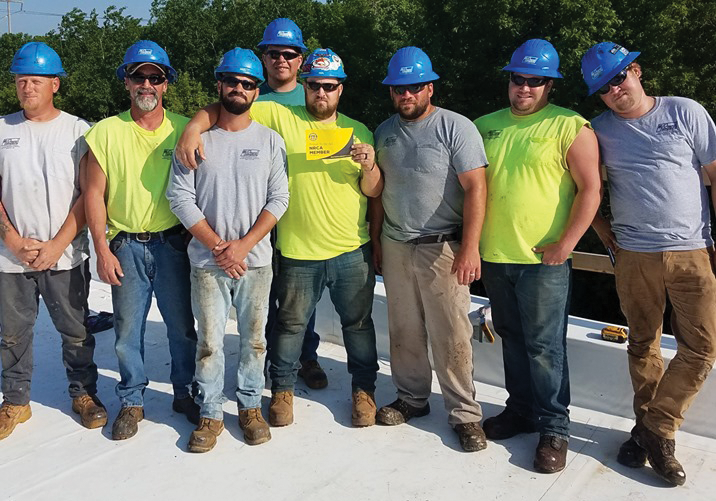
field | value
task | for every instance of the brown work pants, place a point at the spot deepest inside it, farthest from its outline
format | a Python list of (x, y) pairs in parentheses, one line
[(643, 280)]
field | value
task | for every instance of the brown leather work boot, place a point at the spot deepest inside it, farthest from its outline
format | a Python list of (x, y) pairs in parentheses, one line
[(11, 416), (472, 437), (551, 454), (281, 408), (203, 439), (92, 412), (363, 409), (660, 453), (127, 423), (256, 430)]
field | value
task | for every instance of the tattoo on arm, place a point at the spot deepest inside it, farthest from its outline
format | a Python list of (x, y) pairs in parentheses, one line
[(4, 222)]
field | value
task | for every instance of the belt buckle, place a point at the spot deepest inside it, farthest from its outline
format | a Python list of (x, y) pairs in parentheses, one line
[(140, 237)]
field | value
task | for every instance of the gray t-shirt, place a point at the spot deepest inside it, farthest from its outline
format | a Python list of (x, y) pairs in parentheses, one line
[(421, 161), (243, 174), (39, 172), (653, 163)]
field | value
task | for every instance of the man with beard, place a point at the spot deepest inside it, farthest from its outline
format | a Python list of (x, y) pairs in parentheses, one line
[(434, 203), (230, 205), (322, 237), (282, 45), (653, 149), (44, 248), (128, 171), (543, 188)]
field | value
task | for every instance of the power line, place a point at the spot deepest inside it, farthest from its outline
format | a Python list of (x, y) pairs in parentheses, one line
[(9, 13)]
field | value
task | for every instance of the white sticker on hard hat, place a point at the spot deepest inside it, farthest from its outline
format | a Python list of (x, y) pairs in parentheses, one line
[(144, 52), (329, 63), (406, 70), (624, 51), (284, 34), (529, 59), (597, 72)]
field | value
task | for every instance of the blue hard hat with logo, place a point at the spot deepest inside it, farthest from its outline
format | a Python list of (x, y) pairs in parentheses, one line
[(410, 65), (535, 57), (323, 63), (604, 61), (282, 31), (37, 58), (241, 61), (146, 51)]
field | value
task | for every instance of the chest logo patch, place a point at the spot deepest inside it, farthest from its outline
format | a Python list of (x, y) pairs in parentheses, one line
[(493, 134), (390, 141), (249, 154), (667, 127), (10, 142)]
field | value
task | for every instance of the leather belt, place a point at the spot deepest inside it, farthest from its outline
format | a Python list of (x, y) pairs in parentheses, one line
[(435, 239), (147, 235)]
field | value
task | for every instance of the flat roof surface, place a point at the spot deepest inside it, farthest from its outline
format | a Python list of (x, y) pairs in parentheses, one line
[(320, 456)]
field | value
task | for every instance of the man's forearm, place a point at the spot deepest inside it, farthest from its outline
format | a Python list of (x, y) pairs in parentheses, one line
[(75, 221), (582, 215), (205, 234), (376, 214), (8, 233), (473, 215), (263, 225), (96, 213), (205, 118), (371, 182)]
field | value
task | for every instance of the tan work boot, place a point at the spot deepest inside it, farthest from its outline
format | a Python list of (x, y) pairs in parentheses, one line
[(281, 408), (92, 412), (256, 430), (363, 409), (11, 416), (127, 423), (203, 439)]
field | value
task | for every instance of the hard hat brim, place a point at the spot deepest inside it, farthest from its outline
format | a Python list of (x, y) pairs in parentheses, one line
[(427, 77), (282, 42), (531, 70), (613, 72)]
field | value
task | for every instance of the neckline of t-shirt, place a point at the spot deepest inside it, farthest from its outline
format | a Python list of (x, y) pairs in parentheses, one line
[(417, 123), (537, 115), (44, 123), (144, 131), (234, 133), (657, 104)]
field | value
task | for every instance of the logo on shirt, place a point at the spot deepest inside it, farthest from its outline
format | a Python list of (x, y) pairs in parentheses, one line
[(10, 142), (667, 127), (390, 141), (167, 153), (493, 134), (248, 154)]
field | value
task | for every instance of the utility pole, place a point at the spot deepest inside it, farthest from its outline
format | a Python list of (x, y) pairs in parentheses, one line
[(9, 19)]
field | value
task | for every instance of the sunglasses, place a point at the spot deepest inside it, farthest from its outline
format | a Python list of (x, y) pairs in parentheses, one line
[(617, 80), (287, 54), (327, 87), (235, 82), (531, 82), (412, 88), (138, 78)]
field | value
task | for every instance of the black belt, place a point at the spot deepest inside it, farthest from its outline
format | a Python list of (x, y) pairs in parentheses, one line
[(147, 235), (435, 239)]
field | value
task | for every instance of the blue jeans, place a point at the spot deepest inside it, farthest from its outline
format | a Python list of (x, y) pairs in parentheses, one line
[(530, 304), (160, 266), (311, 339), (350, 280), (213, 293)]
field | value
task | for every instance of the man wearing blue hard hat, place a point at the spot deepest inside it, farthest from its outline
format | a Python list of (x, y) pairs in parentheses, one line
[(653, 149), (432, 208), (230, 205), (44, 248), (544, 189), (323, 236), (141, 245)]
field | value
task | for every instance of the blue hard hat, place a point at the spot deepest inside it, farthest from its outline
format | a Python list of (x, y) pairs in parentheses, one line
[(37, 58), (241, 61), (602, 62), (146, 51), (282, 31), (535, 57), (410, 65), (323, 63)]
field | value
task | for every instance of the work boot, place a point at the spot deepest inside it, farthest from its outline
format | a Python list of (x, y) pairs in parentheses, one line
[(92, 412), (11, 416), (660, 453), (506, 425), (127, 423), (551, 454), (400, 412), (281, 408), (256, 430), (203, 439), (631, 455), (472, 437), (188, 407), (313, 374), (364, 409)]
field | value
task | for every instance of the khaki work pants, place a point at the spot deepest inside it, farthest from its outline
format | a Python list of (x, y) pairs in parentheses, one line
[(643, 279)]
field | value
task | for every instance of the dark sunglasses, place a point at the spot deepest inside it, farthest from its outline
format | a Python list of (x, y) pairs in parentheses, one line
[(617, 80), (412, 88), (287, 54), (327, 87), (138, 78), (531, 82), (235, 82)]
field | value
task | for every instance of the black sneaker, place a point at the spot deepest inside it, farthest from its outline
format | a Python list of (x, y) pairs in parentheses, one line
[(188, 407), (400, 412), (660, 453), (631, 455), (506, 425)]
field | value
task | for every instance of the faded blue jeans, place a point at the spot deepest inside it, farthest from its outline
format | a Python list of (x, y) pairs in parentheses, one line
[(213, 293), (160, 266), (530, 304), (350, 280)]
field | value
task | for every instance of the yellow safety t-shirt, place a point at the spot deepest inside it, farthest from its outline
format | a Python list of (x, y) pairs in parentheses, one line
[(529, 188), (326, 213), (137, 163)]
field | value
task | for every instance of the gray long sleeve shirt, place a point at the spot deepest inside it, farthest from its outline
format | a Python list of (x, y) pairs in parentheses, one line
[(244, 173)]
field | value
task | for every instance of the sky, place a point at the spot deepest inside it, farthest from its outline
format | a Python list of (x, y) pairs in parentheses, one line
[(37, 17)]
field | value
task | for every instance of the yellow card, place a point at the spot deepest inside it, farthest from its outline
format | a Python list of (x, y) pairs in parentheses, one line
[(328, 143)]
